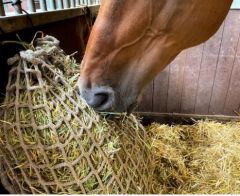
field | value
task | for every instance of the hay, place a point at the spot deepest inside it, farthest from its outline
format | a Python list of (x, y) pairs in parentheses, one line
[(52, 142), (203, 158)]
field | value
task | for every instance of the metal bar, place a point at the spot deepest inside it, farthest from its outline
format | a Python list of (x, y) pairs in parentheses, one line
[(82, 2), (5, 7), (72, 3), (176, 117), (43, 5), (17, 6), (66, 4), (2, 12), (88, 2), (77, 3), (51, 5), (13, 24), (31, 6), (59, 4)]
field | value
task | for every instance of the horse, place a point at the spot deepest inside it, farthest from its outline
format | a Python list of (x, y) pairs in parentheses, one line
[(132, 41)]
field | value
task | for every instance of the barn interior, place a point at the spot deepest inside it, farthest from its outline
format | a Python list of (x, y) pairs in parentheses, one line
[(196, 97)]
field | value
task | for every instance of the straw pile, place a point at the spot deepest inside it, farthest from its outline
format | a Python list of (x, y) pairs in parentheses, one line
[(52, 142), (203, 158)]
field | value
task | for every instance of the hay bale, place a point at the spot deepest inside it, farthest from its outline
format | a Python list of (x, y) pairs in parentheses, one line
[(196, 159), (52, 142)]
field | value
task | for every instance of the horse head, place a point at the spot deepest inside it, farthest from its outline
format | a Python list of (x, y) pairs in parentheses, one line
[(132, 41)]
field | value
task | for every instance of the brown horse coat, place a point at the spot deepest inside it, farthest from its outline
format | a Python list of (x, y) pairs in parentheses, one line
[(133, 40)]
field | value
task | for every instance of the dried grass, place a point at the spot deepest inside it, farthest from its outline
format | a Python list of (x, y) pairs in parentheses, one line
[(52, 142), (203, 158)]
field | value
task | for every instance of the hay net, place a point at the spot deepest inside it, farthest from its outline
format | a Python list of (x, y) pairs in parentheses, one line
[(52, 142)]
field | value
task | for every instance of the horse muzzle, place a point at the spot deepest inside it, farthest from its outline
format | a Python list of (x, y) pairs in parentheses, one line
[(99, 98)]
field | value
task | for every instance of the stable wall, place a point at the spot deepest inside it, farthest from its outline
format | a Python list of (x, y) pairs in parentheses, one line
[(202, 80)]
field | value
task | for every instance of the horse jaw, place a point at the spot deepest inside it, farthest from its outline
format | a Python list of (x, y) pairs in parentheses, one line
[(132, 42)]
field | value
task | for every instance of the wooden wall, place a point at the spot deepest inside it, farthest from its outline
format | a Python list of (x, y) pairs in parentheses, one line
[(202, 80)]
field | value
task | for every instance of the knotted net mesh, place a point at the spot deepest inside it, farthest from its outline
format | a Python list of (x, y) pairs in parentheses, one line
[(52, 142)]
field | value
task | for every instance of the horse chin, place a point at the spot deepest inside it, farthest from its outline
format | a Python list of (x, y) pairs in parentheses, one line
[(132, 107), (129, 105)]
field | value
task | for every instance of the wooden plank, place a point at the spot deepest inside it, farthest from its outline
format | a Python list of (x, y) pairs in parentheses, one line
[(20, 22), (176, 75), (2, 12), (146, 104), (160, 91), (232, 104), (191, 75), (179, 118), (207, 72), (225, 63)]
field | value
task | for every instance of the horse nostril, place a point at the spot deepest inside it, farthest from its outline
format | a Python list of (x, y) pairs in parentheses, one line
[(99, 99)]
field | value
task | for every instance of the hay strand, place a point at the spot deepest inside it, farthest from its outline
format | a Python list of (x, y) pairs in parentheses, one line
[(52, 142), (196, 159)]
